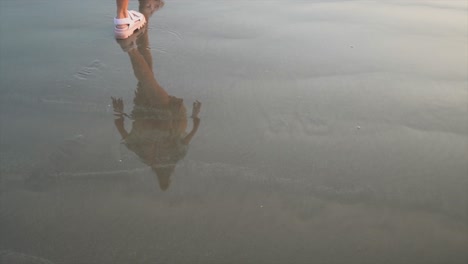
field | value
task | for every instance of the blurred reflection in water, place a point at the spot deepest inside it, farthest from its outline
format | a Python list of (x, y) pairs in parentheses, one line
[(158, 135)]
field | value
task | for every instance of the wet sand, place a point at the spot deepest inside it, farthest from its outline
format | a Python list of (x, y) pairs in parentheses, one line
[(331, 132)]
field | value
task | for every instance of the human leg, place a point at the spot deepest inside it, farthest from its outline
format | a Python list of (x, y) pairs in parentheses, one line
[(127, 21), (122, 6)]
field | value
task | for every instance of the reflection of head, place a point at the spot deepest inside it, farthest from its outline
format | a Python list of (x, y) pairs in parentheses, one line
[(164, 173), (162, 160)]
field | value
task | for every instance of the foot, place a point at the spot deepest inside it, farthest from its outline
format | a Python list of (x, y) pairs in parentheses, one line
[(148, 7), (125, 27)]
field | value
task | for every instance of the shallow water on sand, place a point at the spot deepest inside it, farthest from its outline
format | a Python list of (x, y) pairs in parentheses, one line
[(331, 132)]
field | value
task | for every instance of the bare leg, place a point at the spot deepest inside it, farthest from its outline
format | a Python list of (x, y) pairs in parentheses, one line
[(122, 6)]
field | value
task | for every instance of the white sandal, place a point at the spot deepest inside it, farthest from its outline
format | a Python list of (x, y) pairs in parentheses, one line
[(134, 21)]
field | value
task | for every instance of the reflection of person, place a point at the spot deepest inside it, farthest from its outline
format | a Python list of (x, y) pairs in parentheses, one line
[(158, 135)]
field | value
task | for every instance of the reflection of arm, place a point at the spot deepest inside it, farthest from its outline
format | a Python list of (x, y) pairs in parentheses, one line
[(119, 124), (118, 105), (196, 123)]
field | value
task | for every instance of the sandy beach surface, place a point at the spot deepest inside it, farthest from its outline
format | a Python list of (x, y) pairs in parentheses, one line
[(330, 132)]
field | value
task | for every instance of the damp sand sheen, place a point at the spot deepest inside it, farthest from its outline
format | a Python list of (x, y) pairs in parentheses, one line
[(330, 132)]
